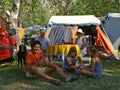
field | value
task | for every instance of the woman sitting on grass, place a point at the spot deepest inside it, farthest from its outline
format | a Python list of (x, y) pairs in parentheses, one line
[(35, 60), (95, 68)]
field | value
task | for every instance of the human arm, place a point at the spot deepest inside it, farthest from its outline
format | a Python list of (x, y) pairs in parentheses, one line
[(92, 66), (76, 40), (68, 61), (80, 61), (71, 64), (84, 41)]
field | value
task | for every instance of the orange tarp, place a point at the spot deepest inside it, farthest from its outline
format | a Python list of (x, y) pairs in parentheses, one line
[(21, 32), (102, 40), (74, 30)]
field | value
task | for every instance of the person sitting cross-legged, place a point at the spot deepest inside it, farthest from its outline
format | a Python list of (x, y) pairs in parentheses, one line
[(35, 60)]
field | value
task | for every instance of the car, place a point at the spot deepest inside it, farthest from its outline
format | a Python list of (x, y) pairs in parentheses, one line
[(7, 40)]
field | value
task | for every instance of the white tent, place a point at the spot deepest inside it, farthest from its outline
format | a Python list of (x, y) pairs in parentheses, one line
[(81, 20), (66, 22), (112, 28), (62, 28)]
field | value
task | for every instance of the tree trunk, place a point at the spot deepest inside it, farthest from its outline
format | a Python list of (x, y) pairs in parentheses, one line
[(13, 18)]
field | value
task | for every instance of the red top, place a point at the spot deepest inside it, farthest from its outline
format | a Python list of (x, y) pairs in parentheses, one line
[(33, 59)]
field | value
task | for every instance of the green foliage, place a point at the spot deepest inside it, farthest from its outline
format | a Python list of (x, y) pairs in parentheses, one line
[(97, 8), (32, 11), (5, 6), (33, 14), (13, 77)]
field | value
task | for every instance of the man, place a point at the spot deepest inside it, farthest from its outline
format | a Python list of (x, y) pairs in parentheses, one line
[(35, 60), (45, 41)]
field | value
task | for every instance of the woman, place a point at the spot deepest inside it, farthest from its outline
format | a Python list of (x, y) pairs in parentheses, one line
[(81, 41), (95, 68)]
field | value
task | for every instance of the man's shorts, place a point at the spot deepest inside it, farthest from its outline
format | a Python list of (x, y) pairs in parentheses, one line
[(29, 75)]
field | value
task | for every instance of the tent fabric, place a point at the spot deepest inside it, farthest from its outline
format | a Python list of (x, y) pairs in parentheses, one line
[(62, 30), (101, 39), (74, 30), (112, 27), (74, 20), (48, 32), (59, 34), (114, 15)]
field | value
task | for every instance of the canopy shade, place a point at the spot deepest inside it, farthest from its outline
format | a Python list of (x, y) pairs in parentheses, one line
[(80, 20), (33, 28)]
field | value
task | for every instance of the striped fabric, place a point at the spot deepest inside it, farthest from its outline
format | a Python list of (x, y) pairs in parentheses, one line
[(57, 34)]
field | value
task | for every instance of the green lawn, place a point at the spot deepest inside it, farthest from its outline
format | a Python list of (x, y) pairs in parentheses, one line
[(12, 78)]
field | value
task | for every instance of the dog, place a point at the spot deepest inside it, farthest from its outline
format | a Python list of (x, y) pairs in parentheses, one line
[(22, 54)]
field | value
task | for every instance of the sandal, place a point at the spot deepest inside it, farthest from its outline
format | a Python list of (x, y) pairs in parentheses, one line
[(74, 78), (71, 79), (57, 82)]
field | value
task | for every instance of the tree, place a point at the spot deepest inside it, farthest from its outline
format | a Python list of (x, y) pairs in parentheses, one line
[(83, 7), (33, 13), (12, 18), (118, 1)]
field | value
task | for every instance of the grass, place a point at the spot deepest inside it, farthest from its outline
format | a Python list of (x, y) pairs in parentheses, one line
[(12, 78)]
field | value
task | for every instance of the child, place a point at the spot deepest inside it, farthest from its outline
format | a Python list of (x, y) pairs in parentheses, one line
[(95, 68), (72, 60)]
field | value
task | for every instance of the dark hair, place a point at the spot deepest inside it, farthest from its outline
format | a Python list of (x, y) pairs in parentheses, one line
[(34, 43), (118, 48), (42, 28), (94, 50), (72, 49)]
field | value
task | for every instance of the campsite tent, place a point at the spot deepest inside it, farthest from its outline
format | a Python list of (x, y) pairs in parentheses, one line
[(112, 27), (64, 28)]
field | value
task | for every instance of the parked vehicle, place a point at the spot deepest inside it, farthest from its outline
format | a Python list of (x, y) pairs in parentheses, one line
[(7, 40)]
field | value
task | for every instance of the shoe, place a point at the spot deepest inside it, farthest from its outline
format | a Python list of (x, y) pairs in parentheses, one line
[(74, 78), (71, 79), (57, 82)]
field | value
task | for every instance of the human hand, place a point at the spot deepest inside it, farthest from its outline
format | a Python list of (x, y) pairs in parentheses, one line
[(81, 67), (76, 67)]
